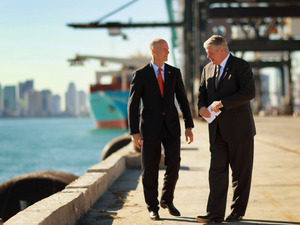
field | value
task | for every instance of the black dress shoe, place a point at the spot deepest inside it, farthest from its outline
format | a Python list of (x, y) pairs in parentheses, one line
[(234, 217), (210, 218), (172, 210), (154, 215)]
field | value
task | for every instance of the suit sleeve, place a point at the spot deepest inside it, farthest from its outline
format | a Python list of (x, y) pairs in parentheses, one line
[(246, 87), (202, 97), (134, 103), (183, 102)]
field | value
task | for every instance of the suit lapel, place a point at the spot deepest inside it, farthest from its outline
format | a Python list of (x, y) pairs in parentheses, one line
[(215, 76), (167, 73), (226, 70)]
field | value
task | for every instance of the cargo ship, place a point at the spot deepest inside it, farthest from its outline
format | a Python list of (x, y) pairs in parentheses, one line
[(107, 100), (108, 97)]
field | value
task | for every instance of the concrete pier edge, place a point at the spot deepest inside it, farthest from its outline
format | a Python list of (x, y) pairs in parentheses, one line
[(68, 205), (274, 197)]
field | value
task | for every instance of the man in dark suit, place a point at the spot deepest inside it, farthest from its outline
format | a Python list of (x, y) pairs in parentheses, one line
[(156, 123), (228, 89)]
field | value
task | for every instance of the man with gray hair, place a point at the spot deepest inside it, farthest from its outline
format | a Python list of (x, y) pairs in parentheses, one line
[(226, 89)]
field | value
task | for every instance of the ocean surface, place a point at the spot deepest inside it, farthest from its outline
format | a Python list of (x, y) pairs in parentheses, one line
[(70, 145)]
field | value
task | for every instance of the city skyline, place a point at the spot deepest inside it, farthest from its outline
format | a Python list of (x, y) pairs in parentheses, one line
[(37, 89), (23, 99)]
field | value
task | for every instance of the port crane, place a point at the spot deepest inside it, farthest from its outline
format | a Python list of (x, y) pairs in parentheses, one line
[(133, 62)]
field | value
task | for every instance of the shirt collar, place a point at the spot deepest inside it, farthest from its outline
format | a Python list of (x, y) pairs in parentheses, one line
[(155, 67), (223, 63)]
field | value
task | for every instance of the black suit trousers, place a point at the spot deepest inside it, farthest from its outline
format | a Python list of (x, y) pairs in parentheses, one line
[(151, 156), (239, 156)]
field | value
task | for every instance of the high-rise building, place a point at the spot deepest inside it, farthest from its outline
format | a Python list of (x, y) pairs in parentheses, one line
[(27, 103), (56, 105), (24, 87), (34, 102), (46, 97), (82, 103), (10, 101), (72, 100)]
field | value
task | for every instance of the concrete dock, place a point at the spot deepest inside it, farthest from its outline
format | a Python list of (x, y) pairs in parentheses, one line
[(111, 192), (275, 193)]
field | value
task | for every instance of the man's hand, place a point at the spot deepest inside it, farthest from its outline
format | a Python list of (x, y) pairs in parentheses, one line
[(204, 112), (216, 105), (136, 138), (189, 135)]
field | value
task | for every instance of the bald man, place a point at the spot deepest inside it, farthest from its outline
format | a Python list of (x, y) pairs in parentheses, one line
[(156, 122)]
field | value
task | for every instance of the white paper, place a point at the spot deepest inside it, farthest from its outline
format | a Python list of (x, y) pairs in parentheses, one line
[(213, 115)]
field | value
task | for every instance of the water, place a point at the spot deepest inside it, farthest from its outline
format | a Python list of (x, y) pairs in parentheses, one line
[(70, 145)]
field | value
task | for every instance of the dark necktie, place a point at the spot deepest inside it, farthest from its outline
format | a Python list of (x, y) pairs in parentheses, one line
[(160, 82), (217, 75)]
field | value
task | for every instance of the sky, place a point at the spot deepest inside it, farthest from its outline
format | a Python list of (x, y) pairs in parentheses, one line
[(35, 42)]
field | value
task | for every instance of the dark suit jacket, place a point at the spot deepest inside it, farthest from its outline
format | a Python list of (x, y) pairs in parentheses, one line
[(235, 89), (148, 120)]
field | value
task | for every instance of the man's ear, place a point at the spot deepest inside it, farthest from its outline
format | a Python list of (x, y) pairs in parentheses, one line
[(153, 51)]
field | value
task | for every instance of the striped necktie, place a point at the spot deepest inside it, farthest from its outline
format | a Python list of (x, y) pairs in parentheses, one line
[(160, 82)]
